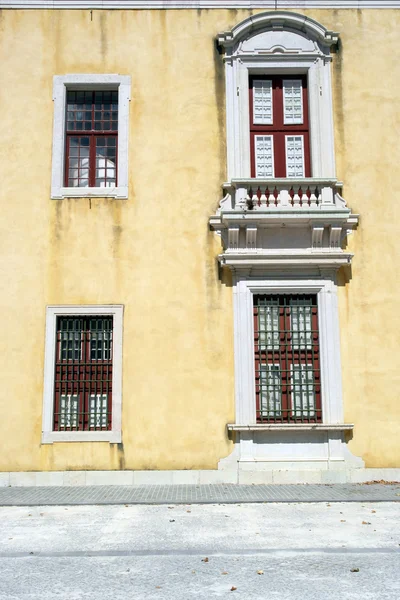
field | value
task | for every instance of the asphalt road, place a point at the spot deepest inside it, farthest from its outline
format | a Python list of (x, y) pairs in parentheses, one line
[(249, 551)]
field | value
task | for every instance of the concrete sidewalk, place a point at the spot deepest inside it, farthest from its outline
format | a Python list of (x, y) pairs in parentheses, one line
[(198, 494)]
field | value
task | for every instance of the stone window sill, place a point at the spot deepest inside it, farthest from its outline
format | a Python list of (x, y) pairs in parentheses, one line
[(291, 427)]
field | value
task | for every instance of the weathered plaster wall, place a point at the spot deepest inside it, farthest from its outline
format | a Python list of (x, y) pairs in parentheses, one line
[(154, 254)]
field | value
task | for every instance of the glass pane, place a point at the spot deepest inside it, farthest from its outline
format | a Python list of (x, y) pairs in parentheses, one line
[(268, 325), (270, 391), (303, 391)]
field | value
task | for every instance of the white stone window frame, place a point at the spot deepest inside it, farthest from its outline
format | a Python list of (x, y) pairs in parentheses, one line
[(240, 65), (61, 84), (329, 343), (114, 436)]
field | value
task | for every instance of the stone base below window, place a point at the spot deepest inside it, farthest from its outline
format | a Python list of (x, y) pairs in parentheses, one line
[(242, 473)]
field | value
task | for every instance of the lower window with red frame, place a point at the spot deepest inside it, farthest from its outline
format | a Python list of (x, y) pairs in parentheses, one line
[(83, 373), (287, 359)]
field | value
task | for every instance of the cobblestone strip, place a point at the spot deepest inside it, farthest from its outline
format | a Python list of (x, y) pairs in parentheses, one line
[(197, 494)]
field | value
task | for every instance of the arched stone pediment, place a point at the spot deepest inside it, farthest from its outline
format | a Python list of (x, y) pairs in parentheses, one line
[(286, 28)]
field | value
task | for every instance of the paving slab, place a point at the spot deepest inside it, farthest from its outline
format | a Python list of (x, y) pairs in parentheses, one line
[(271, 551), (197, 494)]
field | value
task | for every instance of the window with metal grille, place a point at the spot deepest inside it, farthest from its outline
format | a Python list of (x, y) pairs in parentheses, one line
[(287, 364), (83, 373), (279, 130), (91, 138)]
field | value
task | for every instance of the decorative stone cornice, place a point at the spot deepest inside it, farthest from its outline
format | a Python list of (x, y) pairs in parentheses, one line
[(197, 4), (278, 20)]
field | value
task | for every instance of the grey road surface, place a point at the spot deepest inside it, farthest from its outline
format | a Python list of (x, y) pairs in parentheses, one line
[(248, 551)]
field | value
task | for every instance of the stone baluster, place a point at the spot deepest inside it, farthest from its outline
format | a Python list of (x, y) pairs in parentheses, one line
[(312, 197), (296, 198)]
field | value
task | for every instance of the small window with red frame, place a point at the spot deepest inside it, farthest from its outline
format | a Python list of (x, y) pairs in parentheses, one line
[(279, 127), (91, 138)]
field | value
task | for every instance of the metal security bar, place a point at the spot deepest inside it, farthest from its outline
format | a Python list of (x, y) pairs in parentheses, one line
[(287, 362), (83, 373)]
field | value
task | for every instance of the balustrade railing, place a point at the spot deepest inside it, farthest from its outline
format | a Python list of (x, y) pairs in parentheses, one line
[(270, 194)]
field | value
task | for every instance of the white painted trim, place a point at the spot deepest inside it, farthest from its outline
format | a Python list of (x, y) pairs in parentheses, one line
[(89, 81), (115, 435), (331, 382), (196, 4)]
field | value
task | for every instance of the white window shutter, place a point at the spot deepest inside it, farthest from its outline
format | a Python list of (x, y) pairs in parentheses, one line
[(264, 155), (294, 156), (262, 102), (98, 410), (292, 102), (69, 411)]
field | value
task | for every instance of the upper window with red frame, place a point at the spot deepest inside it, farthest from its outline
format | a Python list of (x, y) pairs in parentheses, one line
[(279, 126), (91, 138)]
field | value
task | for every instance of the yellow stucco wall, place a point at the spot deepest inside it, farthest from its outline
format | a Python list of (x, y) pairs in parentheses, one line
[(154, 253)]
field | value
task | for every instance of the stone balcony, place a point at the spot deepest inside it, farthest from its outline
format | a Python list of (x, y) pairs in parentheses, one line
[(278, 222)]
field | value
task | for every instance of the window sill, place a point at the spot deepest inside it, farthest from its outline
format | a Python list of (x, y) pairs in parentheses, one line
[(291, 427), (66, 192), (50, 437)]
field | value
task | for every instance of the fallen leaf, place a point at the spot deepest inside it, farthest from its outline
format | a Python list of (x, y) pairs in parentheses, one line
[(233, 588), (354, 570), (365, 523), (204, 559), (343, 520), (260, 572), (373, 511), (188, 511), (224, 573), (158, 587)]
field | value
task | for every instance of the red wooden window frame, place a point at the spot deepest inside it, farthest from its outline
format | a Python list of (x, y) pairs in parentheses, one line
[(278, 130), (93, 128), (285, 354), (78, 373)]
